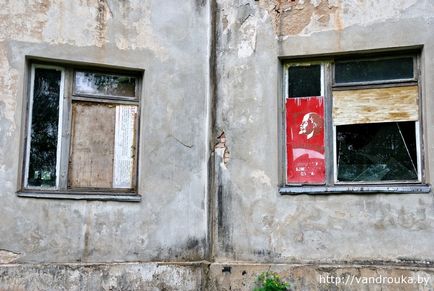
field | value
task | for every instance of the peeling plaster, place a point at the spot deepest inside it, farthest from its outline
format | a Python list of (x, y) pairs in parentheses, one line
[(8, 90), (78, 24), (247, 43), (125, 24), (306, 17), (293, 17), (136, 31), (221, 149), (7, 257), (16, 24)]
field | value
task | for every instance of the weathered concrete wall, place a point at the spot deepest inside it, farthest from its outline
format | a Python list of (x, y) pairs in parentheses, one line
[(242, 277), (169, 224), (256, 223), (129, 276), (250, 221)]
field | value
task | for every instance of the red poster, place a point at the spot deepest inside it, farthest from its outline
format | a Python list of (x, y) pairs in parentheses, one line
[(305, 140)]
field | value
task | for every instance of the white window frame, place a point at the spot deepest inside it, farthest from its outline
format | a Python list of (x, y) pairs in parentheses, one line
[(59, 126)]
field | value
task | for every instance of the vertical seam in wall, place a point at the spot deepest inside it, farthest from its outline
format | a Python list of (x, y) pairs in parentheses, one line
[(211, 101)]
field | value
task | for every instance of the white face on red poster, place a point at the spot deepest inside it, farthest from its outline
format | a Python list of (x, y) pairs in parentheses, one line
[(311, 125)]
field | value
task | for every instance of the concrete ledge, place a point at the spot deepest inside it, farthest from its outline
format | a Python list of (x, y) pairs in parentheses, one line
[(241, 276), (115, 276), (203, 275)]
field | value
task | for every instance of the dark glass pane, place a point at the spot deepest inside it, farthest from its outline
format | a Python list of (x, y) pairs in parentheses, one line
[(104, 84), (304, 81), (374, 70), (45, 119), (376, 152)]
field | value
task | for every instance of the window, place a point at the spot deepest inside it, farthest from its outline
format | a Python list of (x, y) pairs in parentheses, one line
[(82, 133), (353, 125)]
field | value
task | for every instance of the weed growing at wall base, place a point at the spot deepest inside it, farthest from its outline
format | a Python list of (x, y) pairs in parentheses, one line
[(270, 281)]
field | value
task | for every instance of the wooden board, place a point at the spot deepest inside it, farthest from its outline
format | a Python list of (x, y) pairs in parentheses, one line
[(375, 105), (92, 145)]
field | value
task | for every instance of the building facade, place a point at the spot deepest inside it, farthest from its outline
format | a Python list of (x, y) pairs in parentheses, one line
[(192, 145)]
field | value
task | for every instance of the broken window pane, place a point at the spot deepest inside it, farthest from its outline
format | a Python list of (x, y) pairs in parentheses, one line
[(377, 152), (104, 84), (373, 70), (44, 130), (304, 81)]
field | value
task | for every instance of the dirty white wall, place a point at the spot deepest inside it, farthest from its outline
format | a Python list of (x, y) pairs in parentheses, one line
[(157, 37), (259, 224), (199, 81)]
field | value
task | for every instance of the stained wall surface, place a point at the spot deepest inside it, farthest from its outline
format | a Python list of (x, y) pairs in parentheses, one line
[(169, 224), (210, 67), (259, 224)]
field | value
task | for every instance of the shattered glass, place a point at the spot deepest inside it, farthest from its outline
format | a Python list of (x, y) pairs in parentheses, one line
[(377, 152)]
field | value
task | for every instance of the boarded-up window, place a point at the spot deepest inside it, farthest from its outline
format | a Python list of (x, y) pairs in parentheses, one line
[(86, 141), (375, 105), (102, 145), (368, 111)]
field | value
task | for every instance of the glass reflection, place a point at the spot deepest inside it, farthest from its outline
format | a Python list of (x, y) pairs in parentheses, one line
[(374, 70), (44, 131), (104, 84)]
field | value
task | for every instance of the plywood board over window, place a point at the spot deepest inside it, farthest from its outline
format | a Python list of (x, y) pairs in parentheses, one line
[(92, 145), (375, 105), (102, 146)]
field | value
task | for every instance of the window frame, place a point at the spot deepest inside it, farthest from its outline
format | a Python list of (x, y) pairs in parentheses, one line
[(328, 83), (415, 78), (29, 125), (67, 97)]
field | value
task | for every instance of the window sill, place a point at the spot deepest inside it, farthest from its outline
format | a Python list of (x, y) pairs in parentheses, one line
[(96, 196), (356, 189)]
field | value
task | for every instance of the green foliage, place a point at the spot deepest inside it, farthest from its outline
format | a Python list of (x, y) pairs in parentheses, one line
[(270, 281)]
